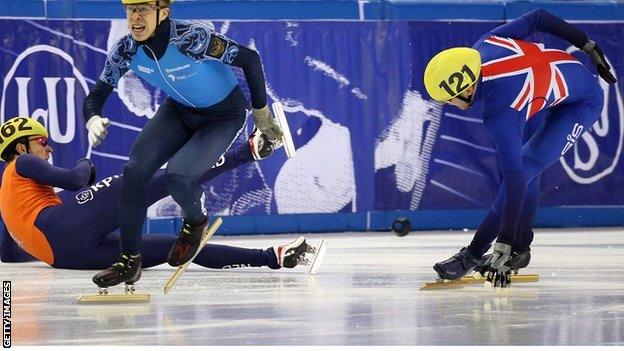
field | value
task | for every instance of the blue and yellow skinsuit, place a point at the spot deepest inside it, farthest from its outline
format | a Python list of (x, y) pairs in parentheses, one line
[(203, 114), (538, 102)]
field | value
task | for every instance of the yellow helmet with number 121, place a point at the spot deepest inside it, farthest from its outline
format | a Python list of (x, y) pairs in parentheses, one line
[(451, 72), (132, 2), (18, 127)]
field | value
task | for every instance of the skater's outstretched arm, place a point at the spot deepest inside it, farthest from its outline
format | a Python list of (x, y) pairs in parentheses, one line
[(541, 21), (39, 170)]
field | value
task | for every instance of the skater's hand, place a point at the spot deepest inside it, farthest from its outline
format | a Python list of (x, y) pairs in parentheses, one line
[(91, 176), (598, 59), (97, 127), (499, 272), (484, 266), (263, 118), (89, 164)]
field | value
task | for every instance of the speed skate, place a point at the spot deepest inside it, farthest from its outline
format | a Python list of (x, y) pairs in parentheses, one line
[(289, 146), (207, 235), (318, 253), (474, 279), (104, 297)]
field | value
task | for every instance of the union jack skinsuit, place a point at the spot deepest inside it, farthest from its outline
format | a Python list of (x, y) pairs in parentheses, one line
[(538, 102)]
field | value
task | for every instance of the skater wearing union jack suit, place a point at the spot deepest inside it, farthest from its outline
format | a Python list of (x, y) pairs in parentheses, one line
[(538, 102)]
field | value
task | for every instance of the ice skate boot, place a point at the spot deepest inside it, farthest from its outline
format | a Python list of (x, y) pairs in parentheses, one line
[(519, 260), (293, 253), (206, 236), (452, 271), (126, 270), (260, 145), (457, 266), (187, 244)]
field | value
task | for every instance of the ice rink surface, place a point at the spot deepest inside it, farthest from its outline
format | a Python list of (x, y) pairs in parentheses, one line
[(366, 293)]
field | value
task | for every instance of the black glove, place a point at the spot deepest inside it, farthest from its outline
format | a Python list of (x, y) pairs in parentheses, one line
[(598, 59), (92, 171), (92, 176)]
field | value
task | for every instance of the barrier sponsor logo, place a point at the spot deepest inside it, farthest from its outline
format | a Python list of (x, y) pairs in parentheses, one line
[(597, 152), (51, 94)]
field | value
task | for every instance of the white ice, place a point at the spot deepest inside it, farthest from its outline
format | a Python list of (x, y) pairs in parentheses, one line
[(366, 293)]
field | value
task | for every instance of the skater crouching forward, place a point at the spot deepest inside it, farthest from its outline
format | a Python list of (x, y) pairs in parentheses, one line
[(76, 230), (538, 102), (203, 114)]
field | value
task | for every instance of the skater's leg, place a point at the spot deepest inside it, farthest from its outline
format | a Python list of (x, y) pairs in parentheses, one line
[(186, 168), (156, 247), (524, 237), (223, 256), (233, 158), (486, 233), (196, 158), (10, 252), (161, 137)]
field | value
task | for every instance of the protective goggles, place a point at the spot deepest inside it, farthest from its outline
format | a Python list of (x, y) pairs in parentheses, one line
[(41, 140), (142, 9)]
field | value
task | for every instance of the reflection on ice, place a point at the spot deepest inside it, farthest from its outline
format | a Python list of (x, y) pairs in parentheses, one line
[(366, 293)]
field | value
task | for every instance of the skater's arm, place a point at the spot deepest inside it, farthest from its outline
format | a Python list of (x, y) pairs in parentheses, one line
[(506, 137), (541, 21), (39, 170), (116, 65), (249, 61), (94, 102)]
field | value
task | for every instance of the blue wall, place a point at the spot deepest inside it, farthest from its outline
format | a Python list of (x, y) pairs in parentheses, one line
[(324, 9), (429, 25)]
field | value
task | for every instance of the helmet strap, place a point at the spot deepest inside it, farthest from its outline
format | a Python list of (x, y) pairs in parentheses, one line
[(470, 99), (467, 100), (157, 15)]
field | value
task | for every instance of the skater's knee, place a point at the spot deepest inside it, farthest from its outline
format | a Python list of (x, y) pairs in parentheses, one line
[(532, 167), (135, 175), (178, 183)]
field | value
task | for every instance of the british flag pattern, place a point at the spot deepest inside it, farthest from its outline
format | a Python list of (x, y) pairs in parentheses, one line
[(544, 83)]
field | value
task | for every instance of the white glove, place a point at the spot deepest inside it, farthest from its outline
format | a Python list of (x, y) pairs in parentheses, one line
[(97, 126), (263, 118)]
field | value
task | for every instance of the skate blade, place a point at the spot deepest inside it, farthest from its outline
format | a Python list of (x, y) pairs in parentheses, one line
[(443, 284), (289, 145), (209, 233), (516, 278), (318, 258), (114, 298), (463, 281)]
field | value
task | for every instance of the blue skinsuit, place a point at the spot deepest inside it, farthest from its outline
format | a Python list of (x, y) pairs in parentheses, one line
[(203, 114), (536, 108)]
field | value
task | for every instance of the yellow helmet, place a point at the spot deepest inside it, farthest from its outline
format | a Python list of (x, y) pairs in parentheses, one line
[(132, 2), (18, 127), (452, 71)]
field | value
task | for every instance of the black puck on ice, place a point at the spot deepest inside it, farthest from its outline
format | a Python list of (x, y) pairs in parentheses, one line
[(401, 226)]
